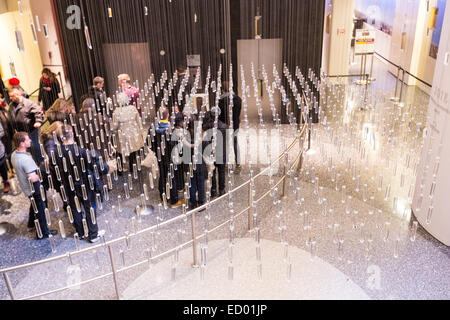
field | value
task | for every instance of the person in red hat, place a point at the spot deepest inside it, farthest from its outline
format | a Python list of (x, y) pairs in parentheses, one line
[(15, 83)]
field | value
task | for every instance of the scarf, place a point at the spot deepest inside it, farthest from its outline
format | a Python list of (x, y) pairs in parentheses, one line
[(48, 82)]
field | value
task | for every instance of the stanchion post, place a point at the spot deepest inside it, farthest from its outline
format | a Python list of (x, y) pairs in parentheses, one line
[(396, 84), (286, 158), (366, 90), (300, 162), (9, 286), (113, 268), (371, 79), (250, 205), (361, 70), (354, 49), (309, 134), (365, 65), (401, 84), (194, 242)]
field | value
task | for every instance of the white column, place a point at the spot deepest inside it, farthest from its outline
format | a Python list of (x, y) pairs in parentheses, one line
[(340, 37), (404, 33), (434, 168)]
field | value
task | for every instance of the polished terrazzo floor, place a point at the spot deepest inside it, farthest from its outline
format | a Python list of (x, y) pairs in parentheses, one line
[(365, 231)]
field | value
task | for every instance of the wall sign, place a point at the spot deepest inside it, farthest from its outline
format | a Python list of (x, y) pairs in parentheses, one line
[(365, 41), (341, 31), (12, 68), (19, 41)]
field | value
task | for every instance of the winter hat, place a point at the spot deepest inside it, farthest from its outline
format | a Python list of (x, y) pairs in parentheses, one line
[(14, 82)]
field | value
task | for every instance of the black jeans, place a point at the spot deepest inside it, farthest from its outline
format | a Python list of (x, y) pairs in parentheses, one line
[(4, 170), (131, 160), (40, 205), (220, 168), (237, 152), (85, 207), (198, 185)]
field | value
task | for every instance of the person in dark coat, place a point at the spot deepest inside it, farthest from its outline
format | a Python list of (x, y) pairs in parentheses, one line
[(3, 159), (6, 141), (47, 137), (4, 97), (179, 168), (224, 105), (49, 89), (25, 115), (97, 93), (162, 145), (199, 171), (82, 183), (210, 124)]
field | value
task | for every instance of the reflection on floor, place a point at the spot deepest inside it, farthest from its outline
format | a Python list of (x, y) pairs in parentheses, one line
[(303, 278), (349, 207)]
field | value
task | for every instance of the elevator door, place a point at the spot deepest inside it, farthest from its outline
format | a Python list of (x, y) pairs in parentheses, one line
[(267, 53), (130, 58)]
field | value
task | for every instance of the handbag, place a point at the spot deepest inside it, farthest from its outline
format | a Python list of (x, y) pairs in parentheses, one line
[(149, 160)]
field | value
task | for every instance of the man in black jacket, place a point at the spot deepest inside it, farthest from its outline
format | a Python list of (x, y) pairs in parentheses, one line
[(81, 180), (225, 101), (97, 93), (26, 116)]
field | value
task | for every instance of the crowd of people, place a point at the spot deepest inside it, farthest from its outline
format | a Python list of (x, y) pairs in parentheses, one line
[(79, 154)]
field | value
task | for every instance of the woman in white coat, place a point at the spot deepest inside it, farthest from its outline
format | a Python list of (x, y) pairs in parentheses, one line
[(128, 131)]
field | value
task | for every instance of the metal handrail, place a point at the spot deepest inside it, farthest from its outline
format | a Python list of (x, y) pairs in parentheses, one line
[(191, 213), (186, 244), (31, 94), (348, 75), (406, 71)]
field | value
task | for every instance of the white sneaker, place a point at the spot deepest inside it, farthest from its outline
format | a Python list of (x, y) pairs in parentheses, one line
[(101, 233), (94, 240)]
